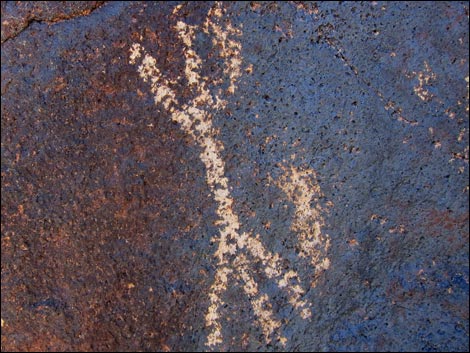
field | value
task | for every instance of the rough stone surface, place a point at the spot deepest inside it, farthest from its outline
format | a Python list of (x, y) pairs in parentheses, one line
[(348, 125)]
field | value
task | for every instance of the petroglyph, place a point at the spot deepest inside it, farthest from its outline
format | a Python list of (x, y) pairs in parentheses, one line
[(196, 122), (425, 78), (302, 190)]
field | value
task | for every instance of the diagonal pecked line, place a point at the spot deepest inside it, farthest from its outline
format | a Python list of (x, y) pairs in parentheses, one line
[(215, 169), (197, 123), (272, 263), (324, 31), (301, 188)]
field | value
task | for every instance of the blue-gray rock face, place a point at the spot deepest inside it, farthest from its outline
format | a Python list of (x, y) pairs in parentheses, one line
[(235, 176)]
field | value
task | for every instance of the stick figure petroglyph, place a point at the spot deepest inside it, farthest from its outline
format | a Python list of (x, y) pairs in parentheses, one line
[(235, 249)]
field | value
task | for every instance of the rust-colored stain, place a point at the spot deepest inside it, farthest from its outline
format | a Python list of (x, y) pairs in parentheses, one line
[(95, 193), (447, 220), (136, 135)]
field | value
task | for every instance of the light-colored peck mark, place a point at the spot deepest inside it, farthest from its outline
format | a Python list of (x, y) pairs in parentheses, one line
[(196, 122), (425, 79)]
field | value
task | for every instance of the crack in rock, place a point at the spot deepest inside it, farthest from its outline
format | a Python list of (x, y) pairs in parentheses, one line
[(19, 18)]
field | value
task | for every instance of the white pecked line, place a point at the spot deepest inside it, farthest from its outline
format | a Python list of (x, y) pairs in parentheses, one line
[(197, 123)]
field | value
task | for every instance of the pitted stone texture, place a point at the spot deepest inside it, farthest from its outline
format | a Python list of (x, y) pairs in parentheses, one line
[(107, 220)]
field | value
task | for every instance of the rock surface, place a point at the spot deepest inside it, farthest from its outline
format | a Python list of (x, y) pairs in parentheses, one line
[(327, 141)]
